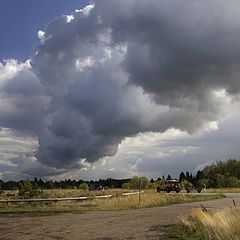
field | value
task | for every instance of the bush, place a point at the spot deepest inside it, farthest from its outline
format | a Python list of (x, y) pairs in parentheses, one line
[(187, 185), (152, 185), (83, 186), (126, 186)]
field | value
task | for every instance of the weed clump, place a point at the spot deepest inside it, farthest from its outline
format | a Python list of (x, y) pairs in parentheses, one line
[(219, 225)]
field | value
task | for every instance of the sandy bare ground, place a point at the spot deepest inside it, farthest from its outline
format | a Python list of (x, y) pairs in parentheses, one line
[(100, 225)]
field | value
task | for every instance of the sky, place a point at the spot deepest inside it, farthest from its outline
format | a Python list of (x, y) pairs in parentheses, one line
[(116, 89), (21, 20)]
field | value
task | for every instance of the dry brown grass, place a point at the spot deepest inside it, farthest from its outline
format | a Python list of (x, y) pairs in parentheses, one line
[(219, 225), (150, 199), (61, 193), (117, 202)]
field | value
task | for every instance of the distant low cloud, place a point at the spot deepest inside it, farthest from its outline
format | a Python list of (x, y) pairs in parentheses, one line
[(119, 68)]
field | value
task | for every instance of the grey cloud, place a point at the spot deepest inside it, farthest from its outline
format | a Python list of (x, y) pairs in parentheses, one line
[(22, 101), (126, 67), (177, 49), (17, 157)]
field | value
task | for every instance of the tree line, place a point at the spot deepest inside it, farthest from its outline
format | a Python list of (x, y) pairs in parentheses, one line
[(63, 184), (222, 174)]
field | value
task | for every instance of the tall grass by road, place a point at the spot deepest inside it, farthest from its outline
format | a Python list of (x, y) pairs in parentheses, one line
[(148, 199), (220, 225), (117, 202), (201, 225)]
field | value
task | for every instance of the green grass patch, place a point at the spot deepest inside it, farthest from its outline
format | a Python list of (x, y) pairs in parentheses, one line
[(180, 232)]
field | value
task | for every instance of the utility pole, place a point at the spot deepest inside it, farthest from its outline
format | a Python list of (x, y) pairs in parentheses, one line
[(140, 186)]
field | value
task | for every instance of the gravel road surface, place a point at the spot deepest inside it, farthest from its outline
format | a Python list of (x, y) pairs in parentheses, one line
[(101, 225)]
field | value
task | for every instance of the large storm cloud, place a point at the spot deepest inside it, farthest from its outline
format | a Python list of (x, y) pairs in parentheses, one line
[(119, 68)]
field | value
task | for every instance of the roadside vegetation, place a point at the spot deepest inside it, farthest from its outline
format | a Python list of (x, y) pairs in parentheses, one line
[(218, 225), (147, 199), (222, 174), (118, 201), (219, 177)]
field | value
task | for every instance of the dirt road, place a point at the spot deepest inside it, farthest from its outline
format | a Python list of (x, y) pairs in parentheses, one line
[(100, 225)]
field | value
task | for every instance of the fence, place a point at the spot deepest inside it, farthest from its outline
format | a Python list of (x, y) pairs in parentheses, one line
[(64, 199)]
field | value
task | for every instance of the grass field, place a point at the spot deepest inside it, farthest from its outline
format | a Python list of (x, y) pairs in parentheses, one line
[(62, 193), (147, 199)]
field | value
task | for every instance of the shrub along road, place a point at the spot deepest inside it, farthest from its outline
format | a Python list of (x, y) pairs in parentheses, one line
[(101, 225)]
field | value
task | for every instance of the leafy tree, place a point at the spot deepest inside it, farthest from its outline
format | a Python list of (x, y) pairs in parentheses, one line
[(139, 181), (27, 190), (217, 180), (232, 182)]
